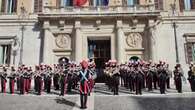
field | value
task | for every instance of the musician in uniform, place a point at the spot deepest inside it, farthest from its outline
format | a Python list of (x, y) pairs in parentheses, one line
[(48, 79), (162, 79), (3, 80), (149, 77), (18, 79), (115, 77), (22, 81), (139, 77), (56, 77), (40, 81), (63, 81), (178, 74), (191, 77), (169, 75), (131, 77), (12, 80)]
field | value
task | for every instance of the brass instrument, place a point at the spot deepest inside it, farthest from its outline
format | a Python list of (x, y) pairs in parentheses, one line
[(193, 70)]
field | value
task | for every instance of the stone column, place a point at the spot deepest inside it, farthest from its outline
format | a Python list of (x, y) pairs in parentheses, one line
[(152, 37), (46, 43), (1, 54), (78, 42), (120, 43)]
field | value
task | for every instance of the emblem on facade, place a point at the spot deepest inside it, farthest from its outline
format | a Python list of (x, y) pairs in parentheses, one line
[(63, 41), (134, 40)]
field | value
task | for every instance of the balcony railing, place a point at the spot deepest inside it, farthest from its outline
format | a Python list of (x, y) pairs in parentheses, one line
[(99, 9)]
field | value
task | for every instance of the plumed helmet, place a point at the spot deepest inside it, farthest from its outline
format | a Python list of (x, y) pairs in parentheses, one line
[(84, 64)]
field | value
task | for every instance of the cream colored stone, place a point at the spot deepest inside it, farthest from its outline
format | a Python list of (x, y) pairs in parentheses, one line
[(27, 4), (52, 3)]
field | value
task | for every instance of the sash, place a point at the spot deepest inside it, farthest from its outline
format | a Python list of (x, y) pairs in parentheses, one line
[(84, 75)]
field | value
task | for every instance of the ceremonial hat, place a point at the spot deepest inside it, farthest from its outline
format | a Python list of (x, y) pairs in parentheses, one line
[(84, 64)]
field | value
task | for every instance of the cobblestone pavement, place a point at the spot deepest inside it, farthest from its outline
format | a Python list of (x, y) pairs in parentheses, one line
[(102, 99)]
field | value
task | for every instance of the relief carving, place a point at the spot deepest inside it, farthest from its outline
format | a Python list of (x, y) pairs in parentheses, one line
[(134, 40), (63, 41)]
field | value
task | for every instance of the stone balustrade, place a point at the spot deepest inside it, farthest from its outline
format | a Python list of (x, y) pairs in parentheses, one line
[(99, 9)]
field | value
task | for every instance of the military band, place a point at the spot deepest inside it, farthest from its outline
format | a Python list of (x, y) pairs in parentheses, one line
[(133, 75)]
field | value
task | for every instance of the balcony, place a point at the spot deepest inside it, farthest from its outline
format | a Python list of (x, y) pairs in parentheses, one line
[(142, 10)]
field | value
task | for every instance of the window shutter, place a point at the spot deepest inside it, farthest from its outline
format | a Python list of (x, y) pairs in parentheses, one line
[(58, 2), (38, 6), (3, 5), (158, 4), (15, 5), (193, 4), (181, 5)]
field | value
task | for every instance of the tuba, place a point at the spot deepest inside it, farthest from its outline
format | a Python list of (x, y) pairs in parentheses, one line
[(193, 70)]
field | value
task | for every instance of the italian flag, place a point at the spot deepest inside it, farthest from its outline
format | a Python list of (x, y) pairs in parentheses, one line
[(80, 3)]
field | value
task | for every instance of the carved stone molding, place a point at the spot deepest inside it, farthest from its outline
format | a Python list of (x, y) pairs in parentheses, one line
[(134, 40)]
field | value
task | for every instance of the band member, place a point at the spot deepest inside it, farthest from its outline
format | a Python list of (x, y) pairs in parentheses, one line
[(48, 80), (84, 87), (162, 79), (177, 77), (115, 77), (131, 78), (56, 78), (3, 80), (18, 78), (12, 80), (149, 78), (191, 77), (138, 79), (30, 73), (63, 81), (22, 83), (40, 81), (169, 75), (26, 80), (92, 75)]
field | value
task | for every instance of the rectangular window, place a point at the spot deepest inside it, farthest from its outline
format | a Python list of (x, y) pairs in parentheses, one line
[(158, 4), (58, 2), (3, 5), (8, 6), (132, 2), (186, 4), (181, 5), (66, 3), (5, 54), (100, 2), (190, 52), (193, 4), (38, 5)]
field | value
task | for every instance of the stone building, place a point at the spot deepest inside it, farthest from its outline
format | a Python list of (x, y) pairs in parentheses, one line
[(36, 31)]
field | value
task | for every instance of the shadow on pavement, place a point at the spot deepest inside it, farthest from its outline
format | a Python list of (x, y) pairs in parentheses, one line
[(66, 102)]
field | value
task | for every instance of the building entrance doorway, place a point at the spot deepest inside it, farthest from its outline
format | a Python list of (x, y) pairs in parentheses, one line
[(99, 51)]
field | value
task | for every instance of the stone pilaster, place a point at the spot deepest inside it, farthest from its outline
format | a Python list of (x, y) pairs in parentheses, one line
[(47, 33), (120, 42), (78, 42), (152, 37)]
